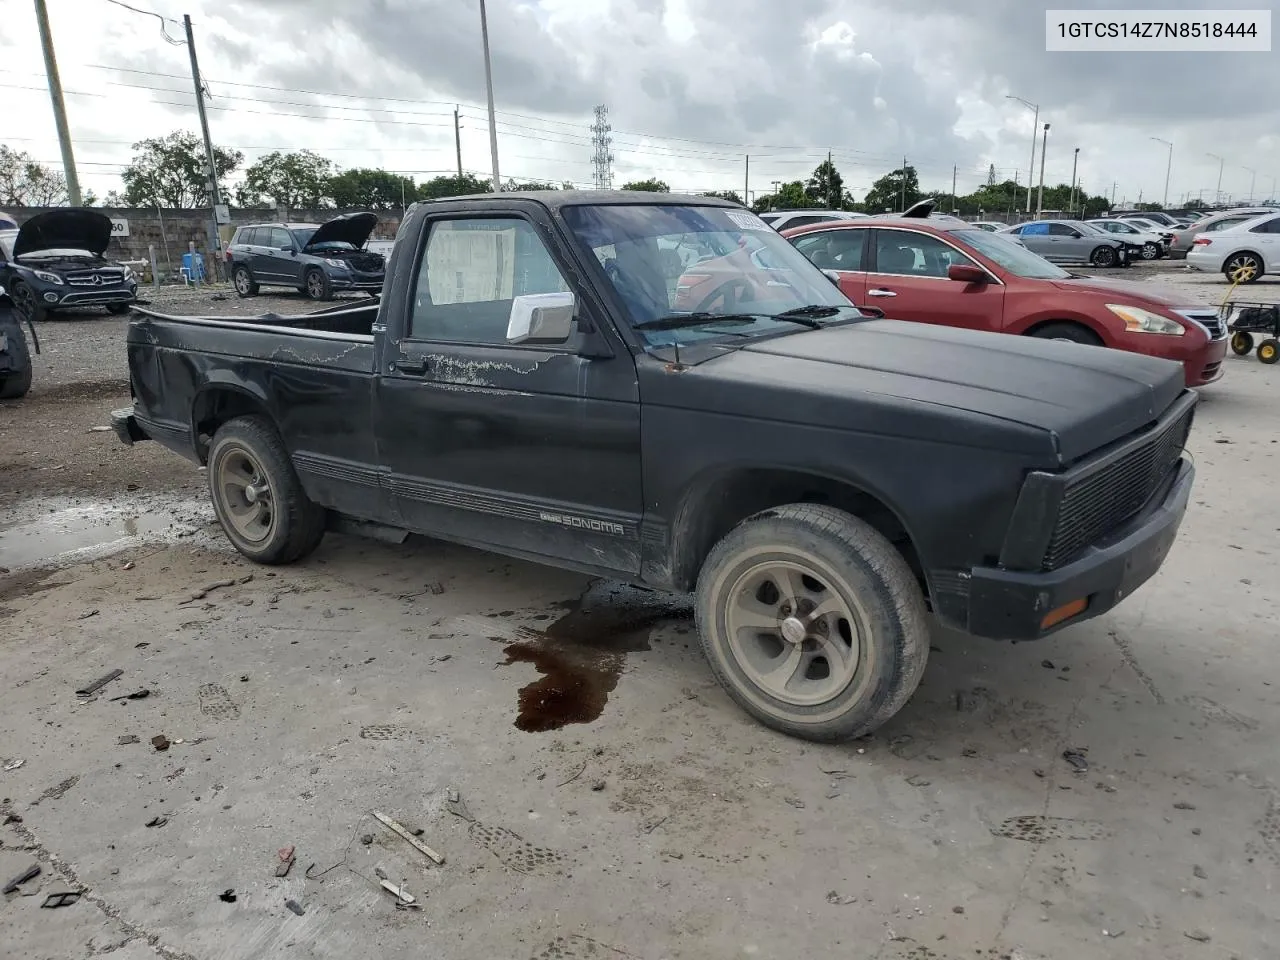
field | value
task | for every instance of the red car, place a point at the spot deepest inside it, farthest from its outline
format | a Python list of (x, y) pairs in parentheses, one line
[(952, 273)]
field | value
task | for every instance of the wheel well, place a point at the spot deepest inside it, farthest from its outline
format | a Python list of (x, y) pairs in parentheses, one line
[(1035, 328), (721, 503), (1238, 253), (216, 406)]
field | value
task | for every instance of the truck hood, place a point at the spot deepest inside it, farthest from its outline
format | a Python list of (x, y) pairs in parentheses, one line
[(354, 228), (72, 228), (1052, 400), (1136, 294)]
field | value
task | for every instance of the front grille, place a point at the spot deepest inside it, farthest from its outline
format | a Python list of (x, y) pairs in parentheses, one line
[(94, 278), (1097, 503), (1209, 320)]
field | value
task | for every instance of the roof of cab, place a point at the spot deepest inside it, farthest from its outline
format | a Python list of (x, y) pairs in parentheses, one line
[(555, 199)]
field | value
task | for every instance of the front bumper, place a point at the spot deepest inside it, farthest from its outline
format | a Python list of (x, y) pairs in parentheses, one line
[(95, 297), (1010, 605), (356, 281)]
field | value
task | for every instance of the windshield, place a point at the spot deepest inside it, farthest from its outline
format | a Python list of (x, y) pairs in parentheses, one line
[(670, 260), (304, 237), (1014, 257)]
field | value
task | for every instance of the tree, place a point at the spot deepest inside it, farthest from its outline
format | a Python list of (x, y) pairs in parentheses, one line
[(26, 183), (826, 186), (462, 186), (730, 195), (887, 192), (512, 186), (372, 189), (652, 185), (299, 179), (789, 196), (171, 171)]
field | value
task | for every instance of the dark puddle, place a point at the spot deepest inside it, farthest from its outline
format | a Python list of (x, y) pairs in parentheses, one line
[(581, 655)]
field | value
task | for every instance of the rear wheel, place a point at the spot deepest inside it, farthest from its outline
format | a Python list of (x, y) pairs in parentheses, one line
[(26, 303), (1073, 332), (1241, 343), (1243, 267), (813, 622), (317, 285), (243, 281), (257, 496), (1269, 350), (1103, 257)]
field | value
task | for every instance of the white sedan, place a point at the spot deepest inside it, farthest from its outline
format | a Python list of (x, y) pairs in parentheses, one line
[(1153, 244), (1243, 253)]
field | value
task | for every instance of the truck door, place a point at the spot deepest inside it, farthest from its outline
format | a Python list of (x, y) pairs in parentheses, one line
[(530, 448)]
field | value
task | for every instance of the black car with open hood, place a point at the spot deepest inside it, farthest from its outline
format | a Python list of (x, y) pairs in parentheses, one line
[(316, 259), (55, 260)]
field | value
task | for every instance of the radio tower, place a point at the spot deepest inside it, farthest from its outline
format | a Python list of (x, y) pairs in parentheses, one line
[(602, 159)]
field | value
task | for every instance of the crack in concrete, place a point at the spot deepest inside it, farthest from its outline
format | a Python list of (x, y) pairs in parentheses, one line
[(67, 873)]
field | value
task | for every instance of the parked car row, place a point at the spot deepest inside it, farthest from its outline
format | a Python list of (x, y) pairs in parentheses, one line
[(1243, 251)]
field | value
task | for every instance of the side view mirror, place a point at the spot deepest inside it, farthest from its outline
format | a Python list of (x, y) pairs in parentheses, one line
[(966, 273), (832, 276), (541, 318)]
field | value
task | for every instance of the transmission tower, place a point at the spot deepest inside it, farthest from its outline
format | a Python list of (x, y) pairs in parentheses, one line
[(602, 141)]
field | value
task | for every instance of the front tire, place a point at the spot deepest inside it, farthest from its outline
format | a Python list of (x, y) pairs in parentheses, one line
[(115, 309), (813, 622), (27, 304), (257, 495), (1269, 350), (1103, 257), (1241, 343), (1244, 267), (243, 281), (1150, 251), (1068, 331), (317, 285)]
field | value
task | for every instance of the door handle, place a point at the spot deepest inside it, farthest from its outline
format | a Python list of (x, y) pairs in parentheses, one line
[(881, 293), (416, 367)]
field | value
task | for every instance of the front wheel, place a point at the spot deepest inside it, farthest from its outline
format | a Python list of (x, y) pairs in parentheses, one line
[(1150, 251), (317, 285), (115, 309), (1103, 257), (257, 496), (1071, 332), (27, 304), (1269, 350), (1241, 343), (813, 622)]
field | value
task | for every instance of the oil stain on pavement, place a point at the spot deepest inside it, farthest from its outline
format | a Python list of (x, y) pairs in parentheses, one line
[(581, 655)]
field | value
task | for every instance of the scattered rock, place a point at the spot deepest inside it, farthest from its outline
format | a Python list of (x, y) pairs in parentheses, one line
[(918, 781), (157, 821), (127, 739), (1075, 756), (160, 742), (227, 896), (957, 909), (88, 613), (1039, 773), (1198, 935), (968, 752), (1199, 872), (795, 802), (366, 839), (598, 786), (1048, 665), (1195, 831), (295, 907), (1183, 805), (833, 897)]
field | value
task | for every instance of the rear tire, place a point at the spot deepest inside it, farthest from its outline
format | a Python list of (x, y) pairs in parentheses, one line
[(1103, 257), (1243, 267), (1241, 343), (257, 495), (317, 285), (813, 622), (1269, 350), (243, 281), (1067, 331)]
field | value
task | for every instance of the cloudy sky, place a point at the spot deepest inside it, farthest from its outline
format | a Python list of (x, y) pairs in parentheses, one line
[(692, 87)]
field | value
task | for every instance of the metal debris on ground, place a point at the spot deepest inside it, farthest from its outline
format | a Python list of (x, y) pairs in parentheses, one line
[(160, 742), (404, 899), (834, 898), (208, 589), (14, 764), (295, 907), (286, 858), (457, 806), (30, 873), (136, 695), (1197, 935), (395, 827), (227, 896), (157, 821), (89, 688), (1079, 762), (127, 739), (62, 898)]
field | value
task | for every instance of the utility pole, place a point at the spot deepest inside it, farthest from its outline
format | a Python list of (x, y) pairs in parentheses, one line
[(1217, 194), (488, 82), (1075, 157), (457, 139), (1035, 123), (832, 204), (1040, 193), (955, 207), (215, 196), (1167, 170), (59, 108), (904, 185), (1253, 182), (746, 177), (1113, 193)]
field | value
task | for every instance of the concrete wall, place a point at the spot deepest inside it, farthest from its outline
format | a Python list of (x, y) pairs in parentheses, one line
[(170, 230)]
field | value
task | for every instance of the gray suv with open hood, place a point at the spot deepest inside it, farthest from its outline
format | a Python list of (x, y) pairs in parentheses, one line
[(316, 259)]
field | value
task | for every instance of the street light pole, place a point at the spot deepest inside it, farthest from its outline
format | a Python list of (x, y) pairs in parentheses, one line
[(1252, 182), (1167, 170), (215, 195), (488, 82), (59, 107), (1217, 194), (1040, 192), (1035, 124), (1074, 159)]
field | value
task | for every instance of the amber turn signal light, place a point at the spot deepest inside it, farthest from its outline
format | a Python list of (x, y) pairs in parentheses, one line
[(1064, 612)]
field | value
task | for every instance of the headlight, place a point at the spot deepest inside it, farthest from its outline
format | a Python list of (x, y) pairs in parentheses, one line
[(1137, 320), (128, 274), (48, 277), (340, 264)]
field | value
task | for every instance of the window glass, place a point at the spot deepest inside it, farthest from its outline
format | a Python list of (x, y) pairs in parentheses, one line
[(1010, 254), (833, 249), (1061, 230), (1034, 230), (247, 236), (914, 254), (803, 221), (470, 273), (280, 238), (1268, 226)]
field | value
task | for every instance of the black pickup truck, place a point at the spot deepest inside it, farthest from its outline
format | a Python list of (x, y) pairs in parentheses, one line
[(661, 390)]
